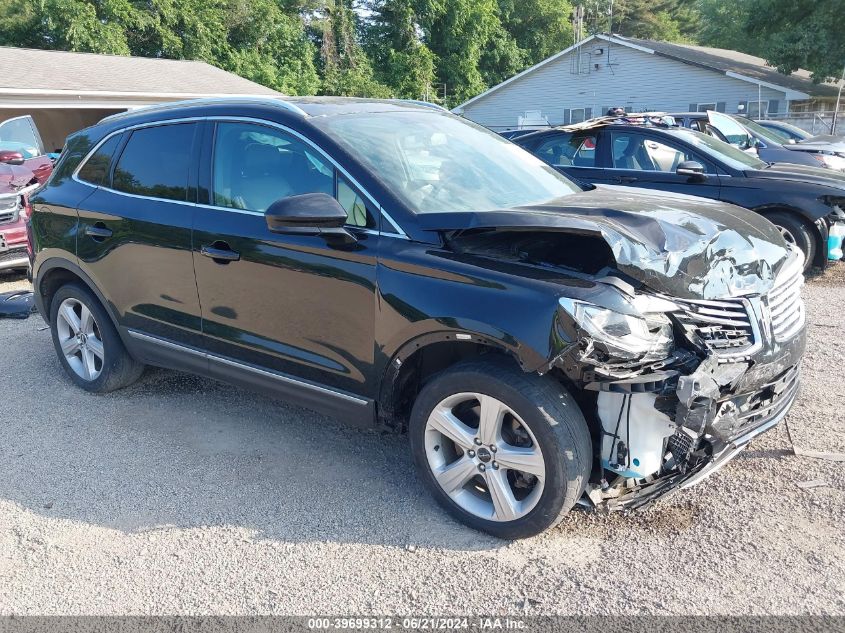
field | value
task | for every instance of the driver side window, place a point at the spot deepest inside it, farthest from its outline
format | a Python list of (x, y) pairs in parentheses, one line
[(255, 165), (638, 152)]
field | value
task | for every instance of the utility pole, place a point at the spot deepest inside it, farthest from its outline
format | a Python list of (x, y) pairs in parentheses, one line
[(838, 99)]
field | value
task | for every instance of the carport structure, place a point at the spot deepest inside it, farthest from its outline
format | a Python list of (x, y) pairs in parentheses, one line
[(65, 92)]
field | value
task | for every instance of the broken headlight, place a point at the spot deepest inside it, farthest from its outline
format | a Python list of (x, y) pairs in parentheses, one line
[(642, 337)]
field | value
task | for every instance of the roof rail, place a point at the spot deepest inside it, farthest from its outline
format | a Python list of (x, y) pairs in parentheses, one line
[(167, 105), (425, 104)]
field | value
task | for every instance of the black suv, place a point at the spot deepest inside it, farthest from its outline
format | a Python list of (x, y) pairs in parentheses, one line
[(803, 202), (398, 267)]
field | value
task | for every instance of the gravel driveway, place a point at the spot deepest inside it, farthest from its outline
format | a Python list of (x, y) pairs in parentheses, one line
[(182, 495)]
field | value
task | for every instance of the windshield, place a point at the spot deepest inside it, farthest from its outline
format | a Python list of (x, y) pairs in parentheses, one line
[(721, 151), (789, 132), (435, 162), (18, 135), (759, 130)]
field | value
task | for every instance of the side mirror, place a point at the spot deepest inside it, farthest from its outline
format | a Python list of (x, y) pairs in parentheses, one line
[(692, 170), (11, 157), (307, 214)]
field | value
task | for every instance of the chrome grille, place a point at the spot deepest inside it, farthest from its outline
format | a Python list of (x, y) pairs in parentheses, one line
[(724, 326), (786, 308), (9, 210)]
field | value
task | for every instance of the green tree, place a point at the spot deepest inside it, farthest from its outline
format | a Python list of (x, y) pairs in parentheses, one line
[(722, 25), (346, 69), (263, 40), (458, 33), (393, 41), (540, 28), (268, 45), (68, 25), (667, 20), (805, 35)]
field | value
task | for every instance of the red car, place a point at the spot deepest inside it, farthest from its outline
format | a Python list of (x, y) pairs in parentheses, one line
[(23, 166)]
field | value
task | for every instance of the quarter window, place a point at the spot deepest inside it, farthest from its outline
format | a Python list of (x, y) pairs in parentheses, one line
[(96, 169), (356, 210), (156, 162)]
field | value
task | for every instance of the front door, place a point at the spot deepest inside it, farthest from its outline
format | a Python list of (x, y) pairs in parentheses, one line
[(282, 306), (639, 160)]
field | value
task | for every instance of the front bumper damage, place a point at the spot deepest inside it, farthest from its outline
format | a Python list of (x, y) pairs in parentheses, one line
[(712, 454), (664, 426)]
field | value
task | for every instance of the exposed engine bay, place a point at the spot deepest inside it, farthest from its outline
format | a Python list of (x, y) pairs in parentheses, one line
[(674, 385)]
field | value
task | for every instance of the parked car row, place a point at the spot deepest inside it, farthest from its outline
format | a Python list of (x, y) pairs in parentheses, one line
[(683, 153), (24, 164), (543, 341)]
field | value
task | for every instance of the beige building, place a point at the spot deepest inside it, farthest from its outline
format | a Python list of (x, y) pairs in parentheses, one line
[(65, 92)]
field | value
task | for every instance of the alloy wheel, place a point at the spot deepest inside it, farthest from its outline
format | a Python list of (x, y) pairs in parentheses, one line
[(80, 339), (484, 456)]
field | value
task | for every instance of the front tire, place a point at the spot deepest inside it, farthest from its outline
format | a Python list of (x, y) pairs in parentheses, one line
[(87, 342), (503, 451), (796, 233)]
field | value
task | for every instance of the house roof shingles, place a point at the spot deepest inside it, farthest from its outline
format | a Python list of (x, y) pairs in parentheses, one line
[(30, 69), (736, 62)]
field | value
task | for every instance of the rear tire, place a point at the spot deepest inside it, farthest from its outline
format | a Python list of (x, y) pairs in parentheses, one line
[(87, 343), (536, 465), (796, 232)]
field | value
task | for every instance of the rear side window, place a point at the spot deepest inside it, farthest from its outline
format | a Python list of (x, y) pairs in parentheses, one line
[(577, 150), (95, 171), (156, 162)]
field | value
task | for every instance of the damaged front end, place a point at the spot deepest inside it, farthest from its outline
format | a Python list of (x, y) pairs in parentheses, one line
[(681, 386)]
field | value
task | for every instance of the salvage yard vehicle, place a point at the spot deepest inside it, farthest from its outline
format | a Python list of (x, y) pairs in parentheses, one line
[(828, 149), (23, 166), (804, 202), (750, 136), (393, 265)]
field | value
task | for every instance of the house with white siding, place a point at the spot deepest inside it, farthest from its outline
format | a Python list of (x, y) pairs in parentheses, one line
[(604, 71)]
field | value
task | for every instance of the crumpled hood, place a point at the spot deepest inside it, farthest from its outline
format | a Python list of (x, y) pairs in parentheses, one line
[(822, 142), (13, 178), (682, 246)]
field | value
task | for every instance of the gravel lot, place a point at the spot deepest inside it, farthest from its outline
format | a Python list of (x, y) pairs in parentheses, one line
[(185, 496)]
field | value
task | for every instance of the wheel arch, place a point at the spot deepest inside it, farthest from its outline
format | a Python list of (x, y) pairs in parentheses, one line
[(53, 274), (817, 227), (425, 356)]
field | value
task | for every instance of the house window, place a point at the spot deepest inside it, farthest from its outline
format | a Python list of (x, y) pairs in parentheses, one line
[(704, 107), (754, 109), (577, 115)]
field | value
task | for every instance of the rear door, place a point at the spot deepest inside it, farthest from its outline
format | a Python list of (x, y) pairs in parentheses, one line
[(134, 237), (574, 154), (639, 159)]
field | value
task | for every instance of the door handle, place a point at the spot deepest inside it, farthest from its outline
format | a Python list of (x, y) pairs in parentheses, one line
[(220, 253), (627, 178), (98, 232)]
